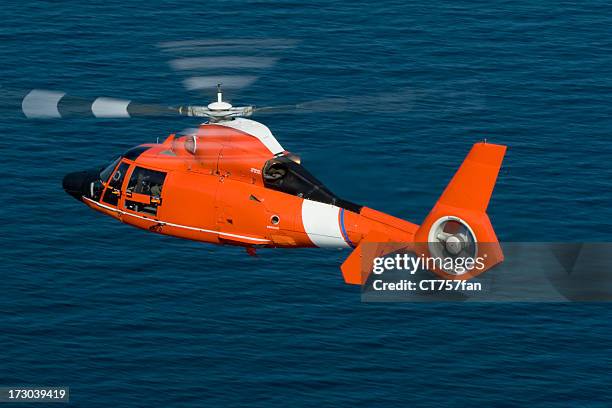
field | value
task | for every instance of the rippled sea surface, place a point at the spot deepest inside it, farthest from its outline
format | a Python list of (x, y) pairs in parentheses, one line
[(129, 318)]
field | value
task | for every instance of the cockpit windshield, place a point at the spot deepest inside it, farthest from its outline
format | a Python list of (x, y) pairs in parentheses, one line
[(283, 174), (106, 172), (131, 154)]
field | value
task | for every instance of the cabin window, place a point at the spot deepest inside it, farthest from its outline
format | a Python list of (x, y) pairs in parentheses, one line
[(144, 190), (284, 174)]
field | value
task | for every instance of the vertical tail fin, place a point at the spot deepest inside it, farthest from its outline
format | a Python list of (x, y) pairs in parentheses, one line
[(459, 218), (471, 187)]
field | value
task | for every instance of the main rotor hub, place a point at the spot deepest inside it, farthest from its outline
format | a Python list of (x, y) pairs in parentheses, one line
[(219, 105), (218, 110)]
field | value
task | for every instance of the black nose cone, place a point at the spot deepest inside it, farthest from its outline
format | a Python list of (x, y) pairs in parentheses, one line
[(73, 184), (77, 184)]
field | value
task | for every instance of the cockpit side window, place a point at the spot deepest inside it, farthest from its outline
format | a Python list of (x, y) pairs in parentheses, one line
[(146, 181), (283, 174), (144, 190)]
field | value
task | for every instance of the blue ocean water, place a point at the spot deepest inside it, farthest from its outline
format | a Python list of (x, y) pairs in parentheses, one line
[(135, 319)]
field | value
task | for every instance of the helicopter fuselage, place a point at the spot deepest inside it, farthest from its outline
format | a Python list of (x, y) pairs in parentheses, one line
[(232, 183), (213, 187)]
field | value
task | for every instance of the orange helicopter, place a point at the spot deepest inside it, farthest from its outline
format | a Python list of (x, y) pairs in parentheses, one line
[(231, 182)]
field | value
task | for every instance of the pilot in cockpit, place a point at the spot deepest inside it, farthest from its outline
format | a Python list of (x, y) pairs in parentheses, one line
[(156, 190)]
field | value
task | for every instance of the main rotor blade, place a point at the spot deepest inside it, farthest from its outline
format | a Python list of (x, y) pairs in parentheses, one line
[(234, 62), (379, 103), (44, 104)]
